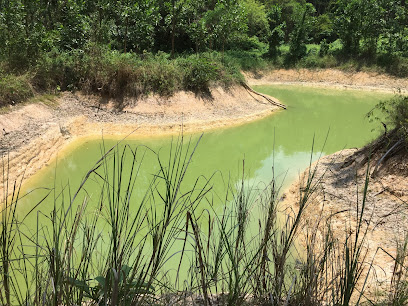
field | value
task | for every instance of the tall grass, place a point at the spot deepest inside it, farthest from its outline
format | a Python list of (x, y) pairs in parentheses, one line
[(176, 243)]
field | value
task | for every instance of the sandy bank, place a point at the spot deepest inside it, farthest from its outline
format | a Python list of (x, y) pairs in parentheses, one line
[(330, 78), (338, 197), (35, 133)]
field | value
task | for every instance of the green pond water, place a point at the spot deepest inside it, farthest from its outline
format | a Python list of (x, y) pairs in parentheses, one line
[(332, 119), (335, 119)]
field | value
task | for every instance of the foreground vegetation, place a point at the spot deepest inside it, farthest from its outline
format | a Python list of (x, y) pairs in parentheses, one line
[(130, 48), (185, 244), (225, 262)]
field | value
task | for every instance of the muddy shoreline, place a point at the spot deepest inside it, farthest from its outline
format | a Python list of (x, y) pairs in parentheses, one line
[(32, 135)]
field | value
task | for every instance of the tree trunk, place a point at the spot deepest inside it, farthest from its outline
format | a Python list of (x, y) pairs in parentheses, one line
[(173, 28), (126, 33)]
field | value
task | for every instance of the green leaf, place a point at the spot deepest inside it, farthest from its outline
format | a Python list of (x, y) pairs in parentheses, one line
[(101, 280), (80, 285)]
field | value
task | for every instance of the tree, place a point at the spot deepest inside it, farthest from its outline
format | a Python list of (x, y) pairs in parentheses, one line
[(174, 8), (299, 37), (348, 24), (224, 21), (135, 24), (323, 29), (73, 25), (195, 23), (394, 34), (257, 19), (372, 25), (277, 27)]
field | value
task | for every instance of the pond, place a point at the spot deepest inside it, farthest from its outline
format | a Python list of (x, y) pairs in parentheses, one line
[(317, 122)]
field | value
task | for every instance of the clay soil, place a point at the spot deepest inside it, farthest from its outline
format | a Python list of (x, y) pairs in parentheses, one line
[(340, 179)]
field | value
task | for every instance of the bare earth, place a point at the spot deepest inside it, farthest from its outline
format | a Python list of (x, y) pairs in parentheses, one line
[(340, 190), (35, 133), (330, 78)]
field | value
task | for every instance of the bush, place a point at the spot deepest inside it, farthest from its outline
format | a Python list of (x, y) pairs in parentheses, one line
[(246, 43), (58, 70), (14, 89), (162, 75), (335, 47), (116, 75), (316, 61), (199, 72), (324, 48), (396, 112), (246, 60)]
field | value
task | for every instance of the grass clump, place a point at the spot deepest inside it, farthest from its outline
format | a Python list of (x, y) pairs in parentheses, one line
[(15, 88)]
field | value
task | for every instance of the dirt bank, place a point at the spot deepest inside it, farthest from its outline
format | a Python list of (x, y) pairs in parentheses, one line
[(31, 135), (338, 197), (330, 78)]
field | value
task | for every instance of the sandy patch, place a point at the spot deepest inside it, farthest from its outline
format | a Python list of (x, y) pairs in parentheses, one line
[(330, 78)]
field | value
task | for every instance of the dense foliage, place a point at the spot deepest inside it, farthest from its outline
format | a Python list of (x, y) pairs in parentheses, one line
[(283, 32)]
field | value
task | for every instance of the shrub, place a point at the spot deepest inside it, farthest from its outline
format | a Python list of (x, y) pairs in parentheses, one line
[(396, 112), (324, 48), (335, 47), (57, 69), (246, 60), (199, 72), (14, 89), (246, 43)]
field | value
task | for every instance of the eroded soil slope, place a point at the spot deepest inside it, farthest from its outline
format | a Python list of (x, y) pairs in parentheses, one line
[(31, 135)]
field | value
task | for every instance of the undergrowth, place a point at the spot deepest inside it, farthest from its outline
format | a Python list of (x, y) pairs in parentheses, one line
[(14, 88), (116, 75)]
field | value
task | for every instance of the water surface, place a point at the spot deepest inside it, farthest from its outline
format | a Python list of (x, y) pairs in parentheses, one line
[(322, 120)]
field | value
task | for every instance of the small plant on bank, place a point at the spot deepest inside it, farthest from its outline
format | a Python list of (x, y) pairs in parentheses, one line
[(394, 140), (15, 88)]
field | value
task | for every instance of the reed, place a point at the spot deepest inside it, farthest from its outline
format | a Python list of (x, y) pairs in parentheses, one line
[(178, 244)]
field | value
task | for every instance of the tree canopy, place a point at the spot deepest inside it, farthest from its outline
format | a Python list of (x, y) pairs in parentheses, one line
[(31, 27)]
